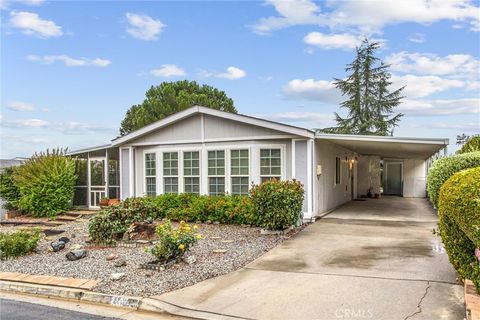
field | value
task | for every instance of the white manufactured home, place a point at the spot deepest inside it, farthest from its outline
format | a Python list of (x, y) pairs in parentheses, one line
[(206, 151)]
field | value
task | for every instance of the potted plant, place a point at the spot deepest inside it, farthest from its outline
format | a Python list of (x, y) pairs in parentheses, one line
[(104, 202), (113, 202)]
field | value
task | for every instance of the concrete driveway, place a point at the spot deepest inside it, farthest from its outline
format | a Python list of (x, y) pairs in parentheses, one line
[(374, 259)]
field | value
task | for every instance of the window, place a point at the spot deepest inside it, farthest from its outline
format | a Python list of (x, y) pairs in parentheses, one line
[(191, 171), (170, 172), (338, 170), (239, 171), (150, 174), (216, 172), (270, 164)]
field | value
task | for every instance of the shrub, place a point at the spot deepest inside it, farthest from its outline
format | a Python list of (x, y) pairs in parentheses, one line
[(277, 205), (173, 243), (459, 211), (472, 145), (112, 222), (18, 243), (8, 190), (46, 183), (443, 168)]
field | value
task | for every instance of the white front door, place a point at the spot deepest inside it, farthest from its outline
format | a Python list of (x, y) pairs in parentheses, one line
[(97, 181)]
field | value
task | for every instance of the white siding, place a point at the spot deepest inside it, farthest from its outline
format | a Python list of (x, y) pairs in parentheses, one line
[(368, 174), (328, 195), (125, 173)]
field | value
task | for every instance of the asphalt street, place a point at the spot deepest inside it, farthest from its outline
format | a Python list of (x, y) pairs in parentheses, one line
[(17, 310)]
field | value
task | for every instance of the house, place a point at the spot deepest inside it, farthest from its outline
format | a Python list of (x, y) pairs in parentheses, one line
[(206, 151)]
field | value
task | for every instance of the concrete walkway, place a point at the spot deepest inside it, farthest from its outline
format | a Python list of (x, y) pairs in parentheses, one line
[(374, 259)]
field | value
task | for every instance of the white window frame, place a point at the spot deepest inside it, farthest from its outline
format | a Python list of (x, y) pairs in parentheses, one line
[(179, 190), (150, 176), (226, 165), (282, 162), (199, 176), (248, 175)]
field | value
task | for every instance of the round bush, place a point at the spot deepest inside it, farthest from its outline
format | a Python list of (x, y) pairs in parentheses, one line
[(459, 212), (8, 190), (46, 183), (277, 205), (444, 168)]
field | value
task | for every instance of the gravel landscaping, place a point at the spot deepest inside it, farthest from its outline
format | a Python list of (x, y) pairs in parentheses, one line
[(242, 245)]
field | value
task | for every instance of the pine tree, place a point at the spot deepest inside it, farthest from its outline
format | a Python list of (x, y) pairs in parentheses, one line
[(370, 104)]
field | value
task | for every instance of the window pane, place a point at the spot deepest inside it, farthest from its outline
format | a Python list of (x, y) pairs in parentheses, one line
[(170, 185), (270, 164), (151, 186), (216, 186), (216, 163), (170, 163), (239, 185), (239, 162), (192, 185), (191, 167)]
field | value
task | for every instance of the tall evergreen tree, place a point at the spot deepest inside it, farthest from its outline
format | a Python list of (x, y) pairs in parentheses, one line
[(370, 103)]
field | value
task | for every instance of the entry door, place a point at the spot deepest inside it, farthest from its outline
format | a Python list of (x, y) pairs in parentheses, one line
[(394, 178), (97, 181)]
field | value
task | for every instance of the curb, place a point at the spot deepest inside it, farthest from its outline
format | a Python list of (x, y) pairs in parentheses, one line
[(128, 302)]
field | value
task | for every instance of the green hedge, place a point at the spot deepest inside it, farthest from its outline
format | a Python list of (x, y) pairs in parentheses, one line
[(459, 212), (46, 183), (472, 145), (9, 192), (18, 243), (277, 204), (444, 168)]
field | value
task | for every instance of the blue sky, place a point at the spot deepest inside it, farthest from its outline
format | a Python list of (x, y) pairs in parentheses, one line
[(71, 69)]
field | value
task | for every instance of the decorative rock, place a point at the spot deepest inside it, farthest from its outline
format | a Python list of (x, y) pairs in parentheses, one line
[(190, 259), (216, 222), (143, 241), (219, 251), (56, 246), (76, 255), (149, 274), (125, 237), (208, 222), (215, 237), (117, 276), (227, 241), (64, 240), (111, 256), (120, 263)]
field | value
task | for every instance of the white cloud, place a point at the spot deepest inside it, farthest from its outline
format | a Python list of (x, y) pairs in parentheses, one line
[(310, 89), (78, 128), (463, 127), (33, 2), (168, 70), (291, 13), (367, 17), (232, 73), (71, 62), (440, 107), (422, 86), (26, 123), (143, 27), (20, 106), (457, 65), (31, 24), (417, 38), (332, 41)]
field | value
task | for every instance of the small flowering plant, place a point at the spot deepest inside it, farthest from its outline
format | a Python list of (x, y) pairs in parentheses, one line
[(173, 242)]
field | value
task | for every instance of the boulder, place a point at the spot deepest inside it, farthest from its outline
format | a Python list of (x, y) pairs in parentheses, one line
[(76, 255), (64, 239), (190, 259), (56, 246)]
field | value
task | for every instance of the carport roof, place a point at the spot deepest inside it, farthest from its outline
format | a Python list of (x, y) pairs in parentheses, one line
[(387, 146)]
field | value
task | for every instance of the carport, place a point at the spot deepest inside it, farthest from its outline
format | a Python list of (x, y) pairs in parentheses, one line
[(353, 166)]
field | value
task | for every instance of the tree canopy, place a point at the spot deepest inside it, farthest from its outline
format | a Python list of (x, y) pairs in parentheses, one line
[(171, 97), (370, 103)]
